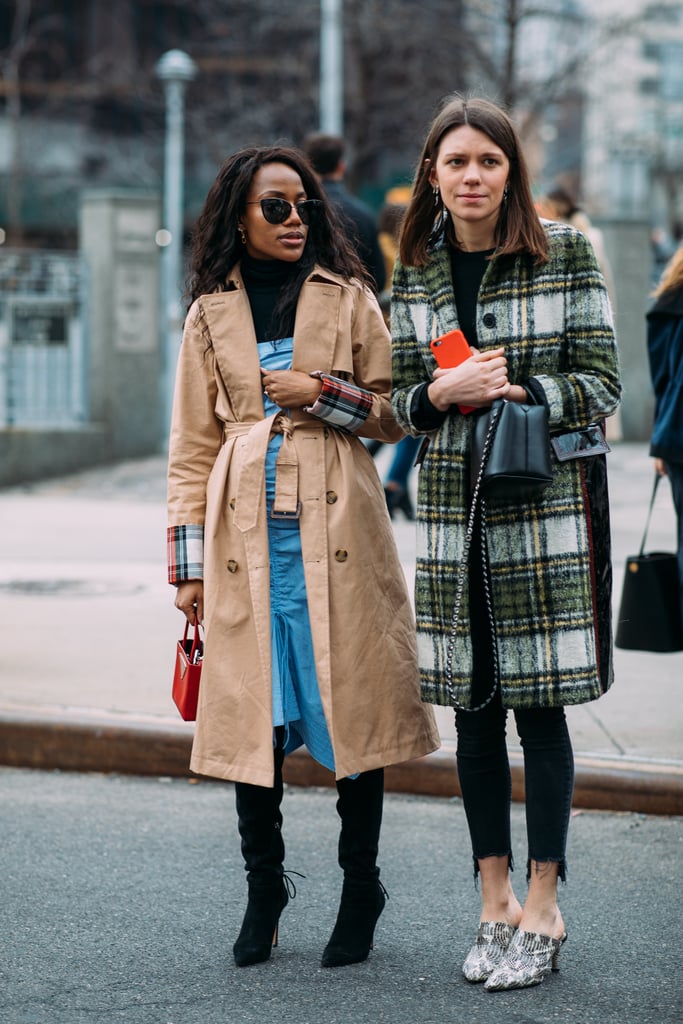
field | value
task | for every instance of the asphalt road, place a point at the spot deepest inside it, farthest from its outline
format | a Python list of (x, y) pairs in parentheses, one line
[(122, 897)]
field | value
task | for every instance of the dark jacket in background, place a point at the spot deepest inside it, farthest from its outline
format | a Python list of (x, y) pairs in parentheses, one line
[(665, 352), (361, 226)]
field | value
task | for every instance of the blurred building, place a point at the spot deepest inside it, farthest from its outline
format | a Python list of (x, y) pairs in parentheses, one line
[(535, 71), (81, 105), (633, 156)]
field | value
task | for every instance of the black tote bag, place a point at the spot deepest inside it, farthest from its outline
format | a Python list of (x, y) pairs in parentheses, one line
[(650, 608)]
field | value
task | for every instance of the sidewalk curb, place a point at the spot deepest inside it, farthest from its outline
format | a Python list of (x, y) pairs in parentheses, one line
[(83, 740)]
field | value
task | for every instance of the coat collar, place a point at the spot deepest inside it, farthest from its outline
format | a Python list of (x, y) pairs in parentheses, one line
[(438, 283), (231, 329), (668, 304)]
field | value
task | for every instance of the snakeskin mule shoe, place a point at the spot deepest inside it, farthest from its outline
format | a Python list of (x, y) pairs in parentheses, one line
[(493, 938), (529, 957)]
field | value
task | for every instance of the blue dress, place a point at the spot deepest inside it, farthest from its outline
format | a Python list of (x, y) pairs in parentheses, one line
[(296, 696)]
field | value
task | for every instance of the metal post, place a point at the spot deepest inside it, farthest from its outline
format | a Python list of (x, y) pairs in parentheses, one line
[(175, 69), (331, 67)]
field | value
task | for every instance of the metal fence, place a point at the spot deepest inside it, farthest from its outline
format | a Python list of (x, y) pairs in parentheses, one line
[(43, 344)]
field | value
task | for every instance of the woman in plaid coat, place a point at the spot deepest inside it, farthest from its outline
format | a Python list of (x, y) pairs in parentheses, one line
[(534, 632)]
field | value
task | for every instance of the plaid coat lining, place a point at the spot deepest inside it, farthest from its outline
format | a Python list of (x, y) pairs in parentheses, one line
[(185, 550), (341, 404), (550, 597)]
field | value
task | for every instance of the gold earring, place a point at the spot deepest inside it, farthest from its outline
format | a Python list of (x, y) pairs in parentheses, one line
[(243, 234)]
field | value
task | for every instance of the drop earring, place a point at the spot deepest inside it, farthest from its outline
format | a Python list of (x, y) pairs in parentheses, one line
[(436, 195), (506, 193), (243, 234)]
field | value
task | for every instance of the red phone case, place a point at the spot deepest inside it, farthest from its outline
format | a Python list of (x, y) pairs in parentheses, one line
[(449, 350)]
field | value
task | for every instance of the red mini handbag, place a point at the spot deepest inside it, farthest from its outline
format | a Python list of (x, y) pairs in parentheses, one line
[(188, 670)]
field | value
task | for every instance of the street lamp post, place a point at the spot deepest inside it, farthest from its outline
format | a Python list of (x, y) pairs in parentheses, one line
[(175, 69), (331, 67)]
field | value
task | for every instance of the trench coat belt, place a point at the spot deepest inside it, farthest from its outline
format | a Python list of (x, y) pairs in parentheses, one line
[(250, 488)]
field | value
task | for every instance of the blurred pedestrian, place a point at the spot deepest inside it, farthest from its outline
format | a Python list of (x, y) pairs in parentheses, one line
[(534, 629), (326, 154), (279, 538), (397, 480), (559, 204), (665, 353), (389, 222)]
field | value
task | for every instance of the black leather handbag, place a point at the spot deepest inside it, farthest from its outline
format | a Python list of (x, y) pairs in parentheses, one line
[(511, 451), (650, 608)]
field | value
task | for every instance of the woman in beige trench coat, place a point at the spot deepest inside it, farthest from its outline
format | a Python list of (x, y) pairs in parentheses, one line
[(279, 537)]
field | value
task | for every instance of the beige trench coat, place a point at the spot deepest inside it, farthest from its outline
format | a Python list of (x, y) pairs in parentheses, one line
[(361, 618)]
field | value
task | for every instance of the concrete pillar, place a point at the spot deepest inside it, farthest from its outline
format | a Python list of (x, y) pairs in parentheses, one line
[(117, 238), (627, 245)]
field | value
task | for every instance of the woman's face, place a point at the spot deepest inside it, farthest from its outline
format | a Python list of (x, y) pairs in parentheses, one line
[(274, 241), (471, 172)]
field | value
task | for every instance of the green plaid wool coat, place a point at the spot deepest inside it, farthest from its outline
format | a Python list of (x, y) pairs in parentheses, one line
[(548, 559)]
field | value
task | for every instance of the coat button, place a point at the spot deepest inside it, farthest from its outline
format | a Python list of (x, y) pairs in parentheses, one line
[(331, 497), (341, 555), (489, 320), (326, 432), (232, 565)]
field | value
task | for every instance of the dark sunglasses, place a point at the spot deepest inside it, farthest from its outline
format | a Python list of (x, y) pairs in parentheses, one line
[(277, 211)]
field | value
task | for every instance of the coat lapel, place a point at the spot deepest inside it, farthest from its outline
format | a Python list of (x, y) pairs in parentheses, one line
[(231, 328), (316, 325), (439, 284)]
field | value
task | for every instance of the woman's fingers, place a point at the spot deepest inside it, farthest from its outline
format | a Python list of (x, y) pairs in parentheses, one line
[(189, 599)]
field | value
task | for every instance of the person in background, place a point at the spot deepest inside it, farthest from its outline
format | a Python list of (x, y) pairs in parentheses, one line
[(665, 354), (397, 480), (534, 632), (326, 154), (279, 539), (389, 222), (559, 204)]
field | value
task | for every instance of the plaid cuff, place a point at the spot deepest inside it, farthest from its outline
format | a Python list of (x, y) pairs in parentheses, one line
[(342, 405), (185, 549)]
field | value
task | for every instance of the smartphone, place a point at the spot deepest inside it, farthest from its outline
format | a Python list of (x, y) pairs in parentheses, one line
[(450, 350)]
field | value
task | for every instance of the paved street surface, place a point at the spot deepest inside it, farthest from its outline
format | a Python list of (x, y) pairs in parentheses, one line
[(121, 898)]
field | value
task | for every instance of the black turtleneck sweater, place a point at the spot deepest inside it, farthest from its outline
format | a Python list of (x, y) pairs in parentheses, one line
[(263, 281)]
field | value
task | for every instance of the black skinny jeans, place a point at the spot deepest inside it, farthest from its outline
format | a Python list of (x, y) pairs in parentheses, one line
[(484, 767), (484, 772)]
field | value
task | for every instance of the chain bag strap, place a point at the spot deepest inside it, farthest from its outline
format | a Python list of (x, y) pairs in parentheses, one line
[(478, 501)]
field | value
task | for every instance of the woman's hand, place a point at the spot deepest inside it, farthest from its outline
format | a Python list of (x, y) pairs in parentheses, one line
[(290, 389), (477, 381), (189, 599), (660, 467)]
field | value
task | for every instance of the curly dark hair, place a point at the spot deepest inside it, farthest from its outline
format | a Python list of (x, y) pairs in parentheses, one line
[(519, 229), (216, 243)]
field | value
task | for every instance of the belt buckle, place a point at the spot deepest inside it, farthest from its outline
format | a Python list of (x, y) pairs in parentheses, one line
[(287, 515)]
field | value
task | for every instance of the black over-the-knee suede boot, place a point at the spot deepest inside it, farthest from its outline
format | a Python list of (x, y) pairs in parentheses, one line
[(363, 896), (263, 849)]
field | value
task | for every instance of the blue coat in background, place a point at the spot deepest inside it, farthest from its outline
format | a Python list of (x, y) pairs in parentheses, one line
[(665, 352)]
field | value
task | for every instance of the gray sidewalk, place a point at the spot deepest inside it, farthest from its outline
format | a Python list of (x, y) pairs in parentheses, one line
[(90, 630)]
